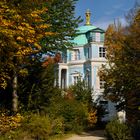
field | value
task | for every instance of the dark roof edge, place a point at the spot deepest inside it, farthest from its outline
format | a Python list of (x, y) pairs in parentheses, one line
[(103, 31)]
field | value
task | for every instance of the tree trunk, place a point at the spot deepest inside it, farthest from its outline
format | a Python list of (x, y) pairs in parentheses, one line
[(14, 95)]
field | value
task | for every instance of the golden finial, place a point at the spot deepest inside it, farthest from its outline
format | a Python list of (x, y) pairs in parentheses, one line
[(88, 13)]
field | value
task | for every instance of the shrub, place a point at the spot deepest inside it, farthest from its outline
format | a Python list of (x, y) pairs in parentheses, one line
[(92, 118), (75, 115), (81, 92), (8, 123), (17, 134), (38, 127), (73, 112), (58, 126), (117, 131)]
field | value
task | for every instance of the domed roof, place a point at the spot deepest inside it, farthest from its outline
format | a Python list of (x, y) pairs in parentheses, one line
[(85, 28), (81, 39)]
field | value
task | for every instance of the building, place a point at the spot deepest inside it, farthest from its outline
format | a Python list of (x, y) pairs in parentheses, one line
[(84, 61)]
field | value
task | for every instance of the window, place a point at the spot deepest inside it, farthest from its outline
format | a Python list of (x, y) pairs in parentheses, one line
[(63, 78), (88, 80), (75, 55), (102, 52), (97, 36), (75, 79), (92, 37), (87, 52)]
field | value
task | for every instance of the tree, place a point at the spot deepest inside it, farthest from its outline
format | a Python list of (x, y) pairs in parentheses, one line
[(25, 33), (37, 89), (20, 32), (81, 92), (61, 17), (122, 71)]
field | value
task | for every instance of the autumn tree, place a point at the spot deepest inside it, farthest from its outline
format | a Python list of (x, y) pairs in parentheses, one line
[(61, 18), (20, 32), (37, 89), (27, 33), (122, 73)]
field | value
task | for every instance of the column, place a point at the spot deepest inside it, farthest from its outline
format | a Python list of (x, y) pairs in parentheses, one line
[(59, 77)]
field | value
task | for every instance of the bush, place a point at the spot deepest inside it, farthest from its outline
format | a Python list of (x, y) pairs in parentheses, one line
[(36, 127), (92, 118), (17, 134), (118, 131), (58, 126), (8, 123), (81, 92), (73, 112)]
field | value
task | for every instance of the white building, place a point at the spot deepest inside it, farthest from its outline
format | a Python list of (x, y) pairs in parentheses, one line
[(85, 60)]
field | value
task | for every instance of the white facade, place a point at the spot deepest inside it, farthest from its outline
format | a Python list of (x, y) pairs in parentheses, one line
[(85, 61)]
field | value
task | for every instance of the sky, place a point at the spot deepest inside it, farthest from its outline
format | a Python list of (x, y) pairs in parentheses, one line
[(104, 12)]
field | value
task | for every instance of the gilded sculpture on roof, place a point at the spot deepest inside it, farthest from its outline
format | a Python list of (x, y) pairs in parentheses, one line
[(88, 13)]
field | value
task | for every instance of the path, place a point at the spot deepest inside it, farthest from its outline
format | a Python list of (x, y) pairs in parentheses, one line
[(95, 135)]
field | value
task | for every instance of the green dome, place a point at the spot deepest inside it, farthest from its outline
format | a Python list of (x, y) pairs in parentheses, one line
[(84, 29), (81, 38)]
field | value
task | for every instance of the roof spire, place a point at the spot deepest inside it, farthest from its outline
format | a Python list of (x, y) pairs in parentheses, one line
[(88, 13)]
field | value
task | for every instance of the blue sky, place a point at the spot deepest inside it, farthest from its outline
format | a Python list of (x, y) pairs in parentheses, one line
[(104, 11)]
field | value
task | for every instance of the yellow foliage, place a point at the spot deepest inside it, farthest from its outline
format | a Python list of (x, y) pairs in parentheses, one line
[(34, 15), (5, 22), (30, 40), (19, 38), (24, 51), (37, 46), (19, 31), (21, 28), (50, 33), (3, 83), (25, 24), (92, 117), (23, 72), (43, 26), (8, 123), (38, 12), (3, 78)]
